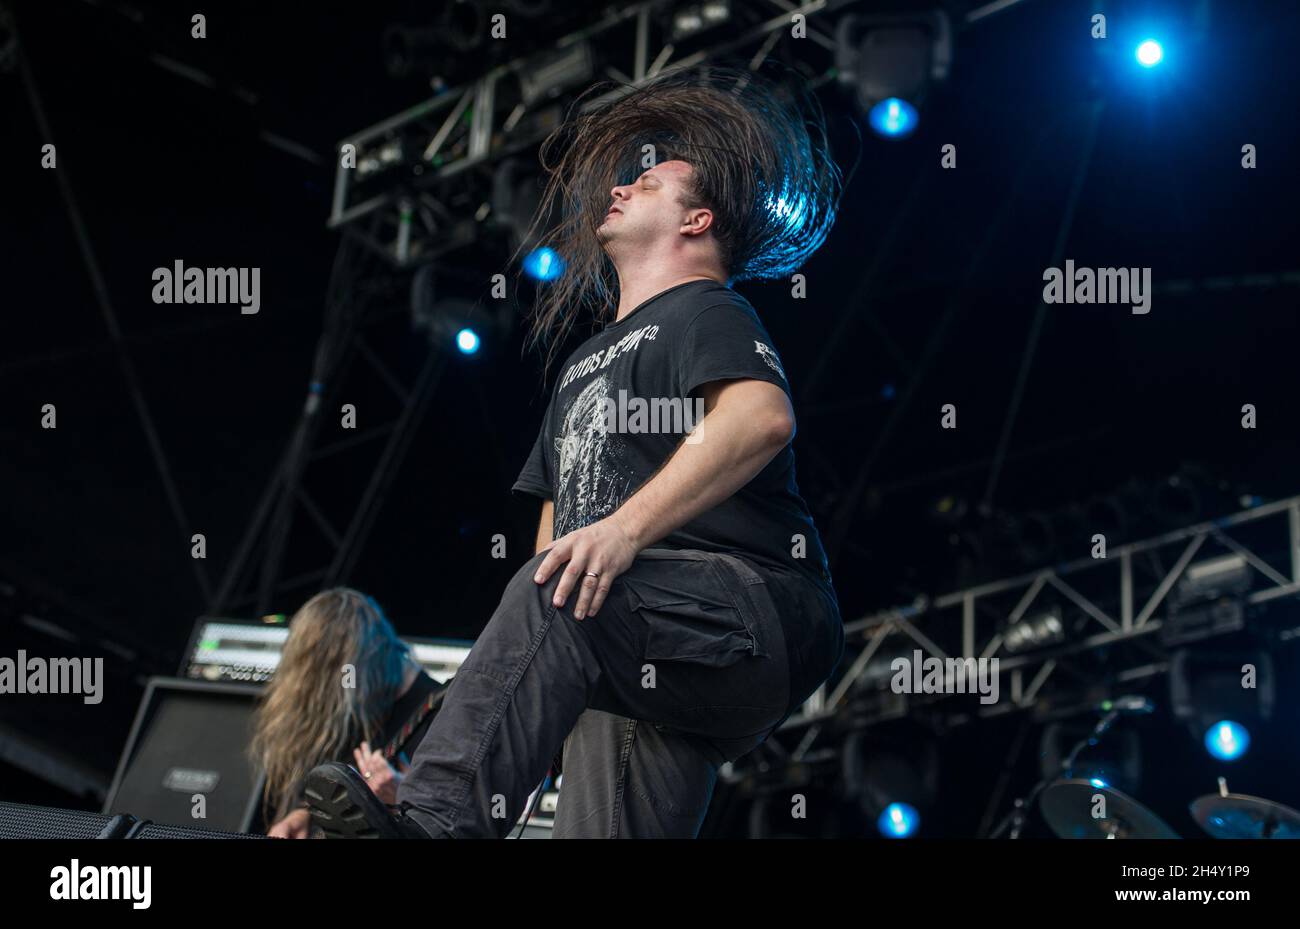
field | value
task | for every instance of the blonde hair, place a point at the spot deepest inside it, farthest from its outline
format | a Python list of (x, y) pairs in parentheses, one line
[(315, 709)]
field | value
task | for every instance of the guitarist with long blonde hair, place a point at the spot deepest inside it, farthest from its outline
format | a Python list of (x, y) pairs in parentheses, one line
[(346, 688)]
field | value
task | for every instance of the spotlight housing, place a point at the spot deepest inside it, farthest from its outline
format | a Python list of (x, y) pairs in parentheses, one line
[(889, 63)]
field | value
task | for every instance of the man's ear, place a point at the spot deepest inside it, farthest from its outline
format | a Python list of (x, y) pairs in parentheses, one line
[(697, 221)]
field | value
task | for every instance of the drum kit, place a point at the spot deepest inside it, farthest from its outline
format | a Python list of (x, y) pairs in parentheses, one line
[(1071, 808), (1090, 808)]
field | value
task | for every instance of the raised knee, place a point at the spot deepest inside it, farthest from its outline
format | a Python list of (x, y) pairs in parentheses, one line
[(524, 582)]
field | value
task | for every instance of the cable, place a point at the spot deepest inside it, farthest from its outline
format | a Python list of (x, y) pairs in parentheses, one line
[(541, 788)]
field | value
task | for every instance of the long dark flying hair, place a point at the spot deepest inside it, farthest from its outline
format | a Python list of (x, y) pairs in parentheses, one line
[(760, 161)]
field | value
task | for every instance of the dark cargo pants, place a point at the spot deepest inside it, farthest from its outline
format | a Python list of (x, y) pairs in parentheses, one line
[(685, 667)]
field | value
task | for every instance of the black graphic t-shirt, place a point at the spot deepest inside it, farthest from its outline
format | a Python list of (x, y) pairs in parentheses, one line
[(628, 396)]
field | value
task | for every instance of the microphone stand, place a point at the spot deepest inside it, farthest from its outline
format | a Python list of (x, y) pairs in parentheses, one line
[(1015, 820)]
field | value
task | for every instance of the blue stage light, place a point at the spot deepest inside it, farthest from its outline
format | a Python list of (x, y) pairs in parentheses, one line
[(543, 264), (893, 118), (1227, 740), (1149, 53), (1097, 782), (467, 341), (898, 821)]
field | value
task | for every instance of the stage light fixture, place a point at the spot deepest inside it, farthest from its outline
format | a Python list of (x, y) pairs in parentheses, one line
[(889, 63), (1149, 53), (472, 327), (1227, 740), (692, 20), (1035, 632), (467, 341), (380, 158), (550, 73), (1215, 577), (1221, 695), (543, 264), (893, 118), (899, 821), (1208, 600), (891, 777)]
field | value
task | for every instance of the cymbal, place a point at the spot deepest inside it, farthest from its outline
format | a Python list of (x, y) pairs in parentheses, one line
[(1238, 816), (1067, 806)]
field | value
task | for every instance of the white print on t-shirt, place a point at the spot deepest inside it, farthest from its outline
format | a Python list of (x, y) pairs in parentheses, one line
[(770, 357), (591, 484), (629, 343)]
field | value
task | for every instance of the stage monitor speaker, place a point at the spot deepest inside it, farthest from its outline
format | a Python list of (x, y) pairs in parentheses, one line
[(190, 738), (19, 821)]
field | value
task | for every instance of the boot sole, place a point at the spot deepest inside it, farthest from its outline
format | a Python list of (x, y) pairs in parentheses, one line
[(343, 806)]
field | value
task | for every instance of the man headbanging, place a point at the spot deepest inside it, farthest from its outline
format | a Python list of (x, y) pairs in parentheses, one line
[(751, 151), (680, 605)]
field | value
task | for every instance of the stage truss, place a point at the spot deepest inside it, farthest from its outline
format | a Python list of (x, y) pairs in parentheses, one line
[(1120, 627)]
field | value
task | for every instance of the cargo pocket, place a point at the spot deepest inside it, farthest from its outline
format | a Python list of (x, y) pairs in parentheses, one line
[(690, 615)]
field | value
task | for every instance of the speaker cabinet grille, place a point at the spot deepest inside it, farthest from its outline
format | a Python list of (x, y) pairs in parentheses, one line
[(18, 821), (190, 738)]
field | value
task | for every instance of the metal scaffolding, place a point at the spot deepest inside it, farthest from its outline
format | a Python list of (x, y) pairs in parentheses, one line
[(409, 167), (1121, 598), (253, 580)]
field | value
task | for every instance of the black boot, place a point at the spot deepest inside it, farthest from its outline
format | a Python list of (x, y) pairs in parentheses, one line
[(343, 806)]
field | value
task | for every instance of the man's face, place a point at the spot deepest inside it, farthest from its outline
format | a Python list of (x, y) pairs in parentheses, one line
[(649, 209)]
